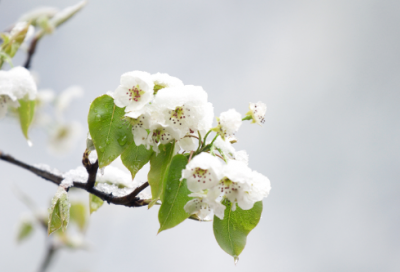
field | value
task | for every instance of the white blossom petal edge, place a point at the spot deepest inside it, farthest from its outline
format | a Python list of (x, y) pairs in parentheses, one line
[(135, 91)]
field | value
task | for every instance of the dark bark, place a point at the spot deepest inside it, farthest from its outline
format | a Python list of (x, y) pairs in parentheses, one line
[(130, 200)]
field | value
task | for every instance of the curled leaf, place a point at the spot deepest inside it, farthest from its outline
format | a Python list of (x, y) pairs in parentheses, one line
[(59, 211)]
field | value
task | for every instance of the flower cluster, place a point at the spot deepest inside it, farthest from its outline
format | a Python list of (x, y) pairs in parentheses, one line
[(161, 109), (212, 180)]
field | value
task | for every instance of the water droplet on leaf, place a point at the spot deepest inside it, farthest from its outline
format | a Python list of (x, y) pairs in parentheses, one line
[(235, 259), (122, 141), (98, 117), (108, 141), (101, 148)]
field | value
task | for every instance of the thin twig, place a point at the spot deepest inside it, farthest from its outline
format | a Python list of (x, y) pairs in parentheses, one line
[(130, 200), (50, 251), (31, 51), (193, 137), (191, 154)]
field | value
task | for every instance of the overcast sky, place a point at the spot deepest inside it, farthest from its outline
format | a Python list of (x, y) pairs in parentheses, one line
[(329, 72)]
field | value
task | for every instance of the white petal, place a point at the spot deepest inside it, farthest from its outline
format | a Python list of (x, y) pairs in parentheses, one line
[(140, 136), (218, 209), (242, 156), (131, 79), (231, 121), (166, 80), (121, 97), (258, 111), (188, 143), (193, 206), (237, 171)]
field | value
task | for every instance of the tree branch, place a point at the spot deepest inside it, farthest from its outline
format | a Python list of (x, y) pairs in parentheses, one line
[(130, 200)]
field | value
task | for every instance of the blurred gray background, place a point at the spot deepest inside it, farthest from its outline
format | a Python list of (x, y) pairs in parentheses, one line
[(329, 72)]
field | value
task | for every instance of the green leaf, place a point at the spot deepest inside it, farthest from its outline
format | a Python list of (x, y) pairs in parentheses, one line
[(24, 231), (78, 215), (11, 45), (26, 112), (158, 166), (111, 135), (175, 195), (231, 232), (95, 203), (59, 211), (135, 157)]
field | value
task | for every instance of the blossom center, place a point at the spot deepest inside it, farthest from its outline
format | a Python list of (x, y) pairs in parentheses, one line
[(160, 135), (136, 123), (228, 187), (201, 175), (135, 93)]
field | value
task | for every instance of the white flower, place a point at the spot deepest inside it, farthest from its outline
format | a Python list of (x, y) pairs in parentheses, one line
[(236, 176), (257, 112), (140, 123), (64, 137), (161, 81), (203, 172), (160, 135), (135, 91), (241, 185), (255, 190), (228, 123), (185, 109), (17, 83), (203, 205)]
